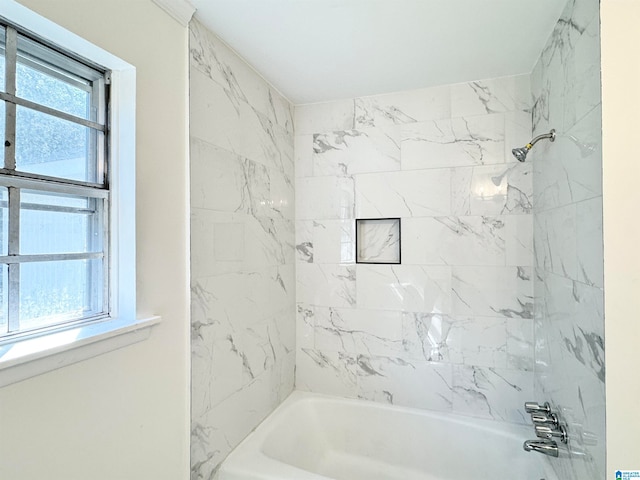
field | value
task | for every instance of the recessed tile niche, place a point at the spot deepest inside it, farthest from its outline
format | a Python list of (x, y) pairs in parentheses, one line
[(378, 240)]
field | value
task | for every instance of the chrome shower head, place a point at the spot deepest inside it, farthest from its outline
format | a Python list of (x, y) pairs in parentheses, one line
[(521, 152)]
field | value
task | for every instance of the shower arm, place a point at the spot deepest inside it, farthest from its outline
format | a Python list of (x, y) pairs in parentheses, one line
[(551, 136)]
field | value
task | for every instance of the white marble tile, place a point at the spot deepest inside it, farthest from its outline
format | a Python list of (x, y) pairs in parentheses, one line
[(304, 241), (305, 325), (202, 244), (324, 117), (493, 291), (570, 169), (286, 376), (242, 242), (582, 12), (334, 241), (589, 246), (492, 393), (218, 370), (482, 341), (520, 348), (228, 242), (582, 68), (403, 107), (477, 140), (281, 200), (322, 198), (494, 95), (326, 285), (218, 180), (216, 432), (555, 239), (411, 384), (224, 242), (278, 148), (375, 149), (574, 317), (358, 331), (403, 194), (429, 337), (269, 241), (378, 241), (220, 119), (303, 154), (548, 75), (404, 287), (211, 57), (243, 297), (331, 373), (454, 240), (492, 190), (518, 233)]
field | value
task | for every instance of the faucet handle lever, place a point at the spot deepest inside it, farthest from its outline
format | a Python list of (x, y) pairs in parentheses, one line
[(534, 407), (545, 419), (543, 431)]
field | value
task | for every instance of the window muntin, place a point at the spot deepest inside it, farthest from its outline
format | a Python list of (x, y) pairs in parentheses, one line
[(54, 231)]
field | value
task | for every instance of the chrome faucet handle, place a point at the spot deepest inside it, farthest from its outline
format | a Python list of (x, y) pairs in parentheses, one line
[(543, 431), (545, 419), (533, 407)]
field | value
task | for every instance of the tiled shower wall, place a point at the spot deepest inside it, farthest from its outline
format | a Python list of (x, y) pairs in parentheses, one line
[(569, 320), (242, 250), (451, 328)]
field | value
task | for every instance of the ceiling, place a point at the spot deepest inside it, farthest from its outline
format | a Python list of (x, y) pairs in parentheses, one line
[(321, 50)]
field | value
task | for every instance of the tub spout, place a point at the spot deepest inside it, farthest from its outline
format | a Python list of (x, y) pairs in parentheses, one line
[(548, 447)]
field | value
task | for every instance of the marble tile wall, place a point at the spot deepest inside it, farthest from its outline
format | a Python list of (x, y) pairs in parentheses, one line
[(567, 206), (451, 328), (242, 250)]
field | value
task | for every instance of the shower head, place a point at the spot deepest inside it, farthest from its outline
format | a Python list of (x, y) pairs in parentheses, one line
[(521, 152)]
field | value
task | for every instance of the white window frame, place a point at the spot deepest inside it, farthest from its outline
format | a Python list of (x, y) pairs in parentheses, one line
[(35, 355)]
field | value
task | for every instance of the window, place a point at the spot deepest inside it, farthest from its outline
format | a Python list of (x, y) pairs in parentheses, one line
[(67, 198), (54, 188)]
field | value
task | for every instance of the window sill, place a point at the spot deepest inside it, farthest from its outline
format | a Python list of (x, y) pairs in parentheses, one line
[(34, 356)]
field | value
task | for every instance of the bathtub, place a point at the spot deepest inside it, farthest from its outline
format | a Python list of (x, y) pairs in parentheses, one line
[(316, 437)]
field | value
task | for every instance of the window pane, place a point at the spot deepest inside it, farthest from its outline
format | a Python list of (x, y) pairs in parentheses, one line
[(55, 292), (4, 221), (4, 305), (48, 77), (59, 223), (50, 146), (35, 85)]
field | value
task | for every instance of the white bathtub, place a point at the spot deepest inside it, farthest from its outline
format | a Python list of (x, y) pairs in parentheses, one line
[(315, 437)]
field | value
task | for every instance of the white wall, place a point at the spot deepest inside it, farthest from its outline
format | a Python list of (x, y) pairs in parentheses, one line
[(124, 415), (621, 177)]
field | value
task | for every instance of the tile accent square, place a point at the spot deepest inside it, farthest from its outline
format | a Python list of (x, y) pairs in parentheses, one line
[(378, 240)]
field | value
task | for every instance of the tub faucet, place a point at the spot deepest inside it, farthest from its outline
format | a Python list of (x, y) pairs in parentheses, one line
[(548, 447)]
